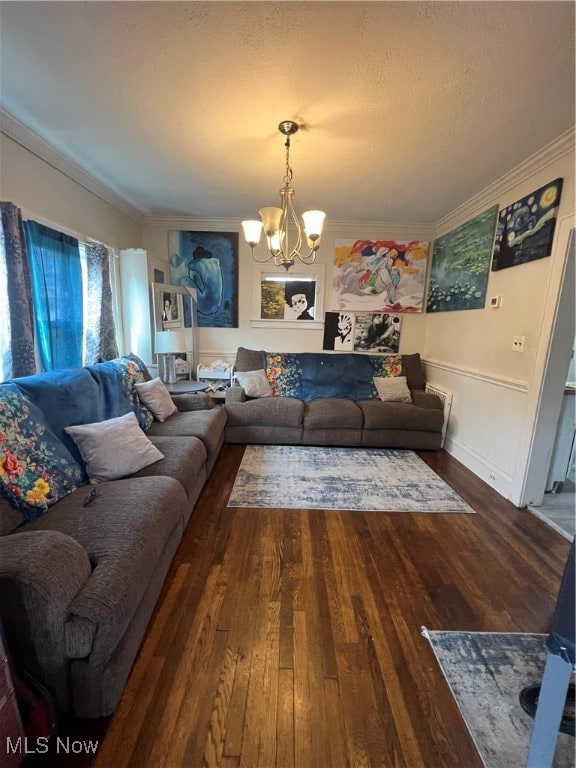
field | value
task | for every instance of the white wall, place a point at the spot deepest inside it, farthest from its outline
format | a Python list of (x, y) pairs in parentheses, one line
[(496, 390), (43, 191), (223, 342)]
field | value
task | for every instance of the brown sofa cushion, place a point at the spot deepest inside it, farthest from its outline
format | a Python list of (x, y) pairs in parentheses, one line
[(332, 413), (270, 411), (413, 370), (402, 416)]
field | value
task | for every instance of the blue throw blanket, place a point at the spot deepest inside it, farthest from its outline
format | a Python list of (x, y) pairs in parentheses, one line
[(309, 375)]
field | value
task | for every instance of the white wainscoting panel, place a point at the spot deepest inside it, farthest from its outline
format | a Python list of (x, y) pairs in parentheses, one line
[(485, 424)]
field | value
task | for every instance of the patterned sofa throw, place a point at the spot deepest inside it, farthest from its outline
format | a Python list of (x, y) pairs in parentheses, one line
[(39, 462), (311, 375), (36, 469)]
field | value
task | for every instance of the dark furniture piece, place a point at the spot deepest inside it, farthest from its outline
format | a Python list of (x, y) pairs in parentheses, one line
[(557, 673)]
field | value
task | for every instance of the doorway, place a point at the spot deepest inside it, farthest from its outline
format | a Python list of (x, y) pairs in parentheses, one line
[(551, 465)]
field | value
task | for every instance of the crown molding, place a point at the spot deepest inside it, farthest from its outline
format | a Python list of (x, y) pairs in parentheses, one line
[(553, 151), (363, 228), (194, 223), (30, 140)]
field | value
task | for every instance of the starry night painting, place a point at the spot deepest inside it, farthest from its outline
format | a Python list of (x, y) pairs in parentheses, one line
[(461, 264), (208, 262), (526, 228)]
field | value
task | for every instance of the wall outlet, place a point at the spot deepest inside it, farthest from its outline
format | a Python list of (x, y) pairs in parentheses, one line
[(518, 343)]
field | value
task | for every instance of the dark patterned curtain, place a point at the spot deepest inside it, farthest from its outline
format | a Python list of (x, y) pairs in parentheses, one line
[(20, 312), (100, 331)]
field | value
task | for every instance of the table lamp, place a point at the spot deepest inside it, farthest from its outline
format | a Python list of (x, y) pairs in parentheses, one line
[(168, 344)]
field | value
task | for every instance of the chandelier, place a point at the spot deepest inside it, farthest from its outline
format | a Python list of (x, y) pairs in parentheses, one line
[(281, 226)]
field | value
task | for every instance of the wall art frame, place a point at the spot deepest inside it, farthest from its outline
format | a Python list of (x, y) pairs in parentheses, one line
[(293, 299), (183, 318), (525, 230), (461, 265), (208, 262), (380, 275)]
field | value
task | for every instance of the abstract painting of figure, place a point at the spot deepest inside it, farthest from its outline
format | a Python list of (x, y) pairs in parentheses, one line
[(208, 262), (376, 332), (525, 229), (380, 275), (461, 264)]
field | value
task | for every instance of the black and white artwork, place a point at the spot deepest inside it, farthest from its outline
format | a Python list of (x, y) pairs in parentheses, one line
[(376, 332), (338, 331)]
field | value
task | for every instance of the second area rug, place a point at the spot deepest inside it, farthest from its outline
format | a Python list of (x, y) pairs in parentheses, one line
[(358, 479), (486, 672)]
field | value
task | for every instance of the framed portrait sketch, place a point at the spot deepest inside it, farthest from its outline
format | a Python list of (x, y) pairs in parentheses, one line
[(175, 308), (171, 309), (288, 299)]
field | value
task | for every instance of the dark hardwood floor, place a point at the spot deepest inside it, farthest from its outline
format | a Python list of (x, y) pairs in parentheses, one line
[(291, 638)]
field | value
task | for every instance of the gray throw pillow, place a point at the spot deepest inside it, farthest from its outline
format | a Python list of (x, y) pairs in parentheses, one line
[(114, 448), (155, 396), (393, 389), (249, 359), (255, 383)]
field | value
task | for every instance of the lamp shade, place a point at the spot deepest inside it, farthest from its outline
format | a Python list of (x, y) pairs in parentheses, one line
[(313, 222), (170, 342), (252, 231)]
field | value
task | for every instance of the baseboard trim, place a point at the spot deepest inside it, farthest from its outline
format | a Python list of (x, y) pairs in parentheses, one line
[(485, 469)]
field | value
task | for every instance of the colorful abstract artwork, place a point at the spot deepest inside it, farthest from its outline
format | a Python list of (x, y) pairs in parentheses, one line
[(380, 275), (525, 229), (208, 262), (461, 264)]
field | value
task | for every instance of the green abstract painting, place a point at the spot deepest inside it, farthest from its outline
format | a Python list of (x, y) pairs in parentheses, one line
[(461, 265)]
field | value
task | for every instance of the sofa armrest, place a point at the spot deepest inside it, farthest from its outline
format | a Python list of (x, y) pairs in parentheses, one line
[(235, 394), (426, 399), (193, 401), (41, 572)]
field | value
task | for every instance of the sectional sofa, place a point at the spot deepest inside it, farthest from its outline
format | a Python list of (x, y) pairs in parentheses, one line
[(82, 563), (343, 399)]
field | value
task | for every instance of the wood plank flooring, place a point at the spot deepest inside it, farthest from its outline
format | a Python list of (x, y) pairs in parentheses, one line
[(291, 638)]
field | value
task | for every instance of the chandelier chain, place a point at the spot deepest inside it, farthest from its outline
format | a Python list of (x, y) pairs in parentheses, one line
[(288, 176)]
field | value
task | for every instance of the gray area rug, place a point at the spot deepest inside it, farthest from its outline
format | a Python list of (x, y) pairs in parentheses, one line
[(358, 479), (486, 672)]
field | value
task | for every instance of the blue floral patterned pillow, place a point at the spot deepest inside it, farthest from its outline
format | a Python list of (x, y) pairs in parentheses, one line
[(36, 469)]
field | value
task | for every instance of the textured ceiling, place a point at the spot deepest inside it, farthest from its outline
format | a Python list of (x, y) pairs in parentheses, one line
[(409, 108)]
